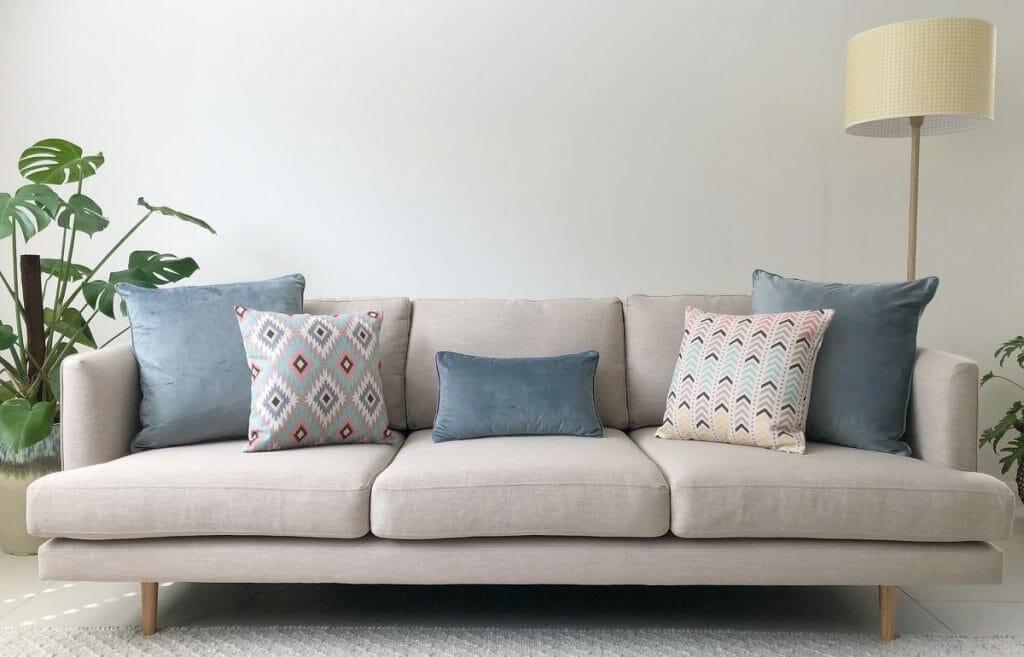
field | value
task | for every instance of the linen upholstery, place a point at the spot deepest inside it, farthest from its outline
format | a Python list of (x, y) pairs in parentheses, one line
[(863, 376), (212, 489), (506, 328), (192, 369), (106, 379), (943, 423), (654, 329), (831, 492), (479, 397), (517, 486), (394, 342), (665, 560)]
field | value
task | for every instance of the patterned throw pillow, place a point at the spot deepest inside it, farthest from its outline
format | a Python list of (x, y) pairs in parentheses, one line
[(315, 379), (745, 379)]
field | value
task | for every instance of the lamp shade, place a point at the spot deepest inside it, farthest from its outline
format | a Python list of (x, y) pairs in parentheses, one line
[(942, 69)]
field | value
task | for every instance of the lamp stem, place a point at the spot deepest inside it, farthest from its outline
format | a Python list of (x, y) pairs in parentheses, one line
[(915, 161)]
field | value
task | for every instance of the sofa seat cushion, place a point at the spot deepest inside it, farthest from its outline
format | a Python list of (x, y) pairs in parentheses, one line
[(519, 486), (212, 489), (829, 492)]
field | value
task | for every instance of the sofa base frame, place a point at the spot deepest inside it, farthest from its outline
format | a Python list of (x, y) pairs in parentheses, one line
[(886, 610), (523, 560)]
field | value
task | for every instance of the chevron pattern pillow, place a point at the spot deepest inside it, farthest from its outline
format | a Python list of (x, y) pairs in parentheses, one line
[(745, 379), (315, 379)]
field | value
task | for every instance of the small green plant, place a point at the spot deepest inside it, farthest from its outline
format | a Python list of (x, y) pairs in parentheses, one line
[(56, 299), (1013, 420)]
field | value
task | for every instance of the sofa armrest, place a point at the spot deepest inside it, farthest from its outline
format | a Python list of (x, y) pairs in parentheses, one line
[(99, 406), (943, 424)]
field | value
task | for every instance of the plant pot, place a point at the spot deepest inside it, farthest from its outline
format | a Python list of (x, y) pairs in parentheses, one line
[(17, 471)]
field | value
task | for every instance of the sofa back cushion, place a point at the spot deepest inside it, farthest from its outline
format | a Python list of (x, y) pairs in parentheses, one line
[(654, 330), (394, 343), (506, 328)]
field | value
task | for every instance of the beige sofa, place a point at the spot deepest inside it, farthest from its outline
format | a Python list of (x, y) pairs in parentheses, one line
[(624, 509)]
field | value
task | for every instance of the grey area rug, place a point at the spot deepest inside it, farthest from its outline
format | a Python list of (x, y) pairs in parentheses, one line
[(455, 642)]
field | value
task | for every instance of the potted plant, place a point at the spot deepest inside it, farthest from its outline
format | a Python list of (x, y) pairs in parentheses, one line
[(53, 301), (1013, 420)]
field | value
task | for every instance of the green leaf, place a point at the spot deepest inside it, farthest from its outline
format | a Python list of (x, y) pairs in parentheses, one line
[(57, 161), (71, 324), (1012, 453), (31, 209), (81, 213), (100, 296), (170, 212), (63, 270), (54, 378), (1007, 349), (997, 431), (988, 377), (147, 269), (7, 336), (23, 424), (151, 269)]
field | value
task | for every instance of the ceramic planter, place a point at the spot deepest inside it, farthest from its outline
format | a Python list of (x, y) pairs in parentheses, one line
[(17, 471)]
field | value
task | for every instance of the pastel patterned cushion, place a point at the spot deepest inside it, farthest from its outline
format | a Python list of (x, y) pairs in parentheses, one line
[(745, 379), (315, 379)]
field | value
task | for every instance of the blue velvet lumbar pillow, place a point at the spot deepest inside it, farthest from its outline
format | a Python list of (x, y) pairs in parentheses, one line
[(192, 366), (862, 378), (482, 397)]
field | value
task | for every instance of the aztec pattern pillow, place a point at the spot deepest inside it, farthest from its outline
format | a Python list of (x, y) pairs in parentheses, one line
[(315, 379), (745, 379)]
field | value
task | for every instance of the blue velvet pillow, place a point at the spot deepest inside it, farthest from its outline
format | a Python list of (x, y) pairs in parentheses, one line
[(861, 385), (192, 366), (481, 397)]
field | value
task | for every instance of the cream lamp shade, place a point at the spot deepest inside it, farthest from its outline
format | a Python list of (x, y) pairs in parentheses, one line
[(941, 69)]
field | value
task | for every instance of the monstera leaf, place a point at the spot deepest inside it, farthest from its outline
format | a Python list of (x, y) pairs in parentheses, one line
[(70, 324), (145, 269), (150, 269), (171, 212), (23, 424), (31, 208), (100, 296), (57, 161), (65, 271), (81, 213)]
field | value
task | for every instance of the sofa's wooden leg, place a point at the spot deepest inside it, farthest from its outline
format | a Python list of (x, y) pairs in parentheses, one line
[(887, 611), (149, 595)]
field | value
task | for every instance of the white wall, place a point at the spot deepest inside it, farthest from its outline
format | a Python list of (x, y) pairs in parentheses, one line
[(523, 148)]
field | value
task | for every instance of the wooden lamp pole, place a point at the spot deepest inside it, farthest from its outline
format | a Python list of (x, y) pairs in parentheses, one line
[(915, 159)]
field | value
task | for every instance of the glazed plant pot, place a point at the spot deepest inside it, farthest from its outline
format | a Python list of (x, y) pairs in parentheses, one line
[(17, 471)]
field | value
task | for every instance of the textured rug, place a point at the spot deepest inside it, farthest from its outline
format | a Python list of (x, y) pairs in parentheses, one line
[(497, 642)]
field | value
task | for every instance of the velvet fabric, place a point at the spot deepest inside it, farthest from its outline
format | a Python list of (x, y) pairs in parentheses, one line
[(192, 367), (481, 397), (862, 378)]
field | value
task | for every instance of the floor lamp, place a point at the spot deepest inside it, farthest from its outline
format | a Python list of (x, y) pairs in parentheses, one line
[(923, 77)]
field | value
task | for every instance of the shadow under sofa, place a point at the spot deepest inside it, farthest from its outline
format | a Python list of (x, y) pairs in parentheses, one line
[(626, 508)]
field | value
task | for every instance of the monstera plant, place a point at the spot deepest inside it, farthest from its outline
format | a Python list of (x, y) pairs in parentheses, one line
[(54, 300), (1012, 452)]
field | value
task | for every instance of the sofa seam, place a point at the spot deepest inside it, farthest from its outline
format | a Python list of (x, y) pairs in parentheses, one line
[(411, 489), (158, 533), (66, 488), (915, 538), (957, 491)]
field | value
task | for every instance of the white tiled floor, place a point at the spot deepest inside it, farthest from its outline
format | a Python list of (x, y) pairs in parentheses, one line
[(971, 610)]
